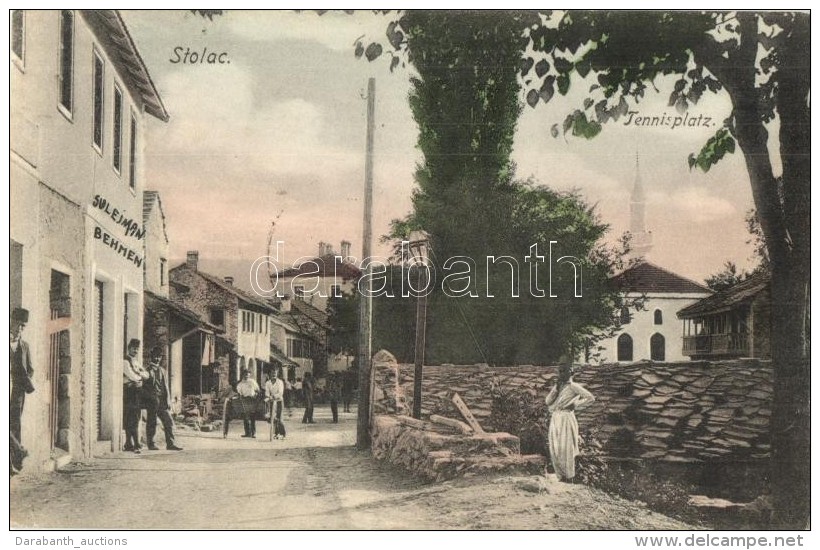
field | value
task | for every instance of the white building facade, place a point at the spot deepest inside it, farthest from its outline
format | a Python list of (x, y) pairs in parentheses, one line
[(654, 331), (79, 94)]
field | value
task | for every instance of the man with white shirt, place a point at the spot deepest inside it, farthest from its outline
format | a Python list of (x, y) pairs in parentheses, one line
[(248, 388), (275, 391), (133, 376)]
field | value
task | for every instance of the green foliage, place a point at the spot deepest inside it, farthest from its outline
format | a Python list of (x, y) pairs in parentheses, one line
[(714, 150), (730, 275), (465, 100), (523, 414), (726, 278), (635, 480)]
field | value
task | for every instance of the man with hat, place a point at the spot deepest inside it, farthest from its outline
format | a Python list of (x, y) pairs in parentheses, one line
[(157, 402), (20, 372)]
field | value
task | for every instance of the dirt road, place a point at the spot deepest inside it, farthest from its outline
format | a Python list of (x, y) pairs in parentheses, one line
[(314, 479)]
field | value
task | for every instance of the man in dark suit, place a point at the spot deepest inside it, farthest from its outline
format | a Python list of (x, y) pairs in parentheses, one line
[(157, 403), (20, 371)]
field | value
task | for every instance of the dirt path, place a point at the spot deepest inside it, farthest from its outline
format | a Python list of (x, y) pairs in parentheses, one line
[(315, 479)]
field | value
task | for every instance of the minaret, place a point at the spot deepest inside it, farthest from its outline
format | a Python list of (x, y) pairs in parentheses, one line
[(641, 242)]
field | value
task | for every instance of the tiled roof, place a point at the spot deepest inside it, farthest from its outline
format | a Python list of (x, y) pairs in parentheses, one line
[(115, 38), (688, 411), (283, 320), (149, 199), (182, 311), (316, 315), (241, 294), (729, 298), (328, 266), (281, 356), (682, 412), (647, 277)]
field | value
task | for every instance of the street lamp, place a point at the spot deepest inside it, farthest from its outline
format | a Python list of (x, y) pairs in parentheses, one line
[(418, 248)]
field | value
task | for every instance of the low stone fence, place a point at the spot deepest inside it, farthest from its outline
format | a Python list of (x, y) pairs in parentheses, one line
[(436, 453), (713, 416)]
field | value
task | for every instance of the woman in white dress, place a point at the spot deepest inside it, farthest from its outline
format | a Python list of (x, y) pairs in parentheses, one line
[(563, 400)]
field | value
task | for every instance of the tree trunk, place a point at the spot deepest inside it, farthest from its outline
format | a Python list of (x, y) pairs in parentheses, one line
[(783, 209), (791, 280), (790, 420)]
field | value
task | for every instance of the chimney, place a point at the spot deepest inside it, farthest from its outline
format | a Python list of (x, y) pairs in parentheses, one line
[(345, 249), (229, 280), (193, 259), (328, 249), (321, 248), (284, 307)]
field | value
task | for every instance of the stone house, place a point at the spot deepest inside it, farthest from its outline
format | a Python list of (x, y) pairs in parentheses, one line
[(80, 98), (730, 324), (245, 322), (315, 280), (289, 347)]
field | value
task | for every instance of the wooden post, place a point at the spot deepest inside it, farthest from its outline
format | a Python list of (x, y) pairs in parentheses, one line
[(366, 302), (421, 325)]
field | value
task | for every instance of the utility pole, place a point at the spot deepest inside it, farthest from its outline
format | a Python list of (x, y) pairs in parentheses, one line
[(421, 326), (366, 301)]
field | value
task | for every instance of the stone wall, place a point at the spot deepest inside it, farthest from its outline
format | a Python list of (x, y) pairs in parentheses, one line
[(699, 413), (438, 453)]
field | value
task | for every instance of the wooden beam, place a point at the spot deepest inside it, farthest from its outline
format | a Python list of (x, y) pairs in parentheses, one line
[(467, 414)]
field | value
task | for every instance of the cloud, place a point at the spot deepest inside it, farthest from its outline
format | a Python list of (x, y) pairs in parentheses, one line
[(334, 30), (698, 205)]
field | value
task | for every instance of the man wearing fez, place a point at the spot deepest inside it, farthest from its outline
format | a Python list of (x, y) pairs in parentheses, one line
[(20, 372), (133, 377), (157, 402)]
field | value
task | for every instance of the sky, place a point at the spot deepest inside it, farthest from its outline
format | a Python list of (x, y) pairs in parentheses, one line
[(279, 134)]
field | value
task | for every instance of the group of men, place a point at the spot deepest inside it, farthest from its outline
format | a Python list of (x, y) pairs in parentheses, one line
[(146, 388), (275, 396)]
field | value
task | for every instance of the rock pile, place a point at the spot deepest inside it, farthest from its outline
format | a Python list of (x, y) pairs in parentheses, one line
[(437, 452)]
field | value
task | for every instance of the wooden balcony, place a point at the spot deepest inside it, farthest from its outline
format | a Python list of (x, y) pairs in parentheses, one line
[(717, 345)]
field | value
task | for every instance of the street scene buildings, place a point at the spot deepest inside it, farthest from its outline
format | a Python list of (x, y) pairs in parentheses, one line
[(177, 179)]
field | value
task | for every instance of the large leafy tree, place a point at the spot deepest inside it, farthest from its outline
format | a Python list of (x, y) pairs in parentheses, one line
[(760, 60), (465, 98)]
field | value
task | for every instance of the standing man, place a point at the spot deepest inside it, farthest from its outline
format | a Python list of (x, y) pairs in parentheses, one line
[(248, 388), (307, 396), (133, 377), (20, 372), (334, 393), (275, 389), (157, 403), (347, 390)]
